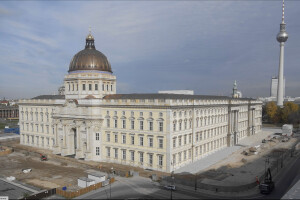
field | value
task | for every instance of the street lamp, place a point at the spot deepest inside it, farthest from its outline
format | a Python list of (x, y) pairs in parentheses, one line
[(110, 181)]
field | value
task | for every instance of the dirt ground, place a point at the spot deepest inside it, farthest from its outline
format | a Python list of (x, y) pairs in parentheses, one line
[(58, 171)]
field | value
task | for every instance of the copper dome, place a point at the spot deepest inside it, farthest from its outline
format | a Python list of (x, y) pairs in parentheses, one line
[(89, 58)]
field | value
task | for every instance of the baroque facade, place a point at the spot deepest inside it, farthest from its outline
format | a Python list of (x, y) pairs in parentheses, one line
[(156, 131)]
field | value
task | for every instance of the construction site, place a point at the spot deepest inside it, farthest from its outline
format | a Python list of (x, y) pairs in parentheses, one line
[(244, 166)]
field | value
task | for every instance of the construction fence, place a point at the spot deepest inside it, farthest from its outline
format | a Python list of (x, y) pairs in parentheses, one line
[(69, 194)]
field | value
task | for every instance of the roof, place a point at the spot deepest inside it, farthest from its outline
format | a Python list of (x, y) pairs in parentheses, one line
[(50, 97), (86, 179), (97, 174), (167, 96)]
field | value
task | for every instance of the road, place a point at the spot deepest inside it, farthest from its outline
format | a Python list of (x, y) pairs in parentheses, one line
[(138, 187), (12, 191)]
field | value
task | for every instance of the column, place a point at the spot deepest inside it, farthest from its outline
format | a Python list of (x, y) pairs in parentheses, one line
[(78, 137), (64, 136), (56, 135)]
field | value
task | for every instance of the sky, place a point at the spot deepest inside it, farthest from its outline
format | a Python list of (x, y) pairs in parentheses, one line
[(152, 45)]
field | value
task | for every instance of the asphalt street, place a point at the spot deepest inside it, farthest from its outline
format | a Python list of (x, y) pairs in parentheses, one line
[(12, 191)]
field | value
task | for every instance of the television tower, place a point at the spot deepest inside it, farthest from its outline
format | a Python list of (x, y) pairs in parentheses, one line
[(282, 37)]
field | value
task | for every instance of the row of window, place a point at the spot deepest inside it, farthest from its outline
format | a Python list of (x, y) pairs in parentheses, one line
[(201, 112), (105, 87), (37, 128), (36, 116), (199, 150), (150, 114), (31, 139), (132, 140), (132, 124), (132, 155)]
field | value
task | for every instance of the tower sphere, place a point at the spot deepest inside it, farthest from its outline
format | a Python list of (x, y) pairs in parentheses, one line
[(282, 36)]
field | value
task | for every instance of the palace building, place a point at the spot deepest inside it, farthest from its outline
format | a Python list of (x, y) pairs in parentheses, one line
[(160, 131)]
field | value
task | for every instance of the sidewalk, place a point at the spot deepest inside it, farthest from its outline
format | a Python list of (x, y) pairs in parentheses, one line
[(224, 153)]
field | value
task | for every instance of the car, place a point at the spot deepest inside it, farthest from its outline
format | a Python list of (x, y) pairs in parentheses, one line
[(170, 187)]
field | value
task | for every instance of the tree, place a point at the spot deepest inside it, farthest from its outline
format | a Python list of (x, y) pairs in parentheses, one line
[(289, 108), (272, 110)]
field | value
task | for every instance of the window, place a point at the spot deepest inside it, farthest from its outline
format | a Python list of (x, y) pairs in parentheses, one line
[(184, 139), (116, 153), (150, 142), (124, 154), (190, 138), (180, 126), (185, 125), (102, 87), (184, 155), (108, 137), (160, 143), (179, 142), (150, 126), (150, 159), (77, 87), (132, 155), (141, 157), (83, 86), (116, 138), (97, 136), (73, 87), (161, 114), (141, 125), (174, 142), (161, 126), (106, 87), (116, 123), (160, 160), (174, 126), (124, 139), (190, 154), (90, 86), (150, 114), (108, 123), (132, 139), (197, 137), (174, 159), (111, 88), (141, 114), (108, 152), (96, 86), (123, 123), (141, 141), (37, 128), (97, 151), (132, 124)]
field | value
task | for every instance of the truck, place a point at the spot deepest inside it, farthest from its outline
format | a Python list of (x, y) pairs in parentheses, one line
[(287, 129)]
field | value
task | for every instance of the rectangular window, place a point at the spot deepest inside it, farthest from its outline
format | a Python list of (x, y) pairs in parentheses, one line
[(97, 151), (179, 142), (124, 139), (174, 126), (96, 86), (190, 139), (90, 86), (184, 155), (108, 123), (161, 143), (160, 160), (132, 124), (132, 155), (179, 157), (161, 126), (108, 137), (116, 153), (97, 136), (116, 123), (132, 139), (180, 126), (141, 141), (150, 159), (124, 154), (116, 138), (174, 142), (184, 139), (83, 86), (76, 87), (108, 152), (150, 126), (123, 123), (141, 157), (190, 154), (141, 125), (111, 88), (197, 137), (150, 142), (102, 87)]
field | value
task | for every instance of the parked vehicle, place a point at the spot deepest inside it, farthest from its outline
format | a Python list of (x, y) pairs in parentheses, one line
[(43, 157), (170, 187)]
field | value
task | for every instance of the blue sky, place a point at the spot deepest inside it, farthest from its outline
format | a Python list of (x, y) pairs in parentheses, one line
[(152, 45)]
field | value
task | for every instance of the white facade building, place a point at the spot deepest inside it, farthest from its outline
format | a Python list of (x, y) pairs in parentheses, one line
[(158, 131)]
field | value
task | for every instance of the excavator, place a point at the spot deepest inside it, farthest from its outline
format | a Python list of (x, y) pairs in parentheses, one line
[(268, 185)]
